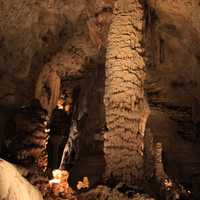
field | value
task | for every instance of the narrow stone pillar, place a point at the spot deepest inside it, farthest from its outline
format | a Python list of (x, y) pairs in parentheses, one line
[(159, 168)]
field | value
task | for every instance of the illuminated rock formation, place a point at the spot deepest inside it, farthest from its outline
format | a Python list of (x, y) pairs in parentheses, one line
[(126, 109), (136, 63)]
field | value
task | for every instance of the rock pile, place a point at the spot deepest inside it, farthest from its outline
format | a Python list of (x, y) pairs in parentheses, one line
[(105, 193)]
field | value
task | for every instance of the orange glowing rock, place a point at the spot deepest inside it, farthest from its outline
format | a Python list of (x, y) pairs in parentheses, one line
[(60, 188), (67, 108), (47, 130), (83, 184), (59, 183), (168, 183)]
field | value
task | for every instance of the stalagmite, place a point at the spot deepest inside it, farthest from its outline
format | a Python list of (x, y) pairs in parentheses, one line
[(48, 90), (159, 168), (125, 105)]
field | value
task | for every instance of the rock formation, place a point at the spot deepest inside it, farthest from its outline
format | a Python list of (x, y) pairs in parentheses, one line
[(29, 146), (136, 64), (14, 186), (125, 105)]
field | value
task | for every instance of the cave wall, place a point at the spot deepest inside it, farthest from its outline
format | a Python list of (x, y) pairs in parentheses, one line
[(173, 83), (33, 32), (30, 32), (41, 43)]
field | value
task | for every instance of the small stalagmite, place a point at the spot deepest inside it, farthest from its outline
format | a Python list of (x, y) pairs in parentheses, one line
[(59, 184)]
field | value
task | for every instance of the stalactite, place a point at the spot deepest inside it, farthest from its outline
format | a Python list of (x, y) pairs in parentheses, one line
[(151, 40)]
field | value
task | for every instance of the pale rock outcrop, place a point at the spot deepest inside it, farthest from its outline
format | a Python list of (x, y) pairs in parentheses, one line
[(14, 186)]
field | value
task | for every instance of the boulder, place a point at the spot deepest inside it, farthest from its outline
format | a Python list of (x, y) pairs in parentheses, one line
[(15, 187)]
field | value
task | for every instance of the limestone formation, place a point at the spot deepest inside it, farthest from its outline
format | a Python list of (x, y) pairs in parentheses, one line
[(30, 144), (125, 105), (14, 186), (136, 63)]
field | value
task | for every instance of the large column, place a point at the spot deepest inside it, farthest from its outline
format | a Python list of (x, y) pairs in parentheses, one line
[(125, 106)]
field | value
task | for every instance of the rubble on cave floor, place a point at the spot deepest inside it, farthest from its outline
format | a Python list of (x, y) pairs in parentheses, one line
[(59, 189), (102, 192)]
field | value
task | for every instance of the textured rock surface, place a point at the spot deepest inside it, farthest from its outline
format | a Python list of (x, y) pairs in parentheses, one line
[(14, 186), (126, 110), (103, 193), (38, 50), (30, 31), (29, 146), (173, 83), (44, 43)]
